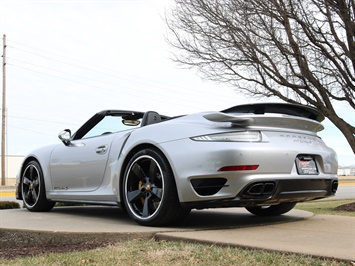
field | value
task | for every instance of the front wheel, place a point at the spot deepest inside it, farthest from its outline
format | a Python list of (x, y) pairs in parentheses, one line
[(149, 190), (33, 190), (272, 210)]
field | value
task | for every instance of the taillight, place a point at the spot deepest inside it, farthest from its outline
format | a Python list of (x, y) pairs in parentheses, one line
[(238, 136), (238, 168)]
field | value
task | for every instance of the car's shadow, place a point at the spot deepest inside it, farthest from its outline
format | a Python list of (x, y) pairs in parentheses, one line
[(197, 219)]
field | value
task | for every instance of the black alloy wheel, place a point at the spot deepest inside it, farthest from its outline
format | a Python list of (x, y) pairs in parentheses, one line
[(149, 190), (33, 190)]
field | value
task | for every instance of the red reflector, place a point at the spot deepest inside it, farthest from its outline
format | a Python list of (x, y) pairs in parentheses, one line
[(238, 168)]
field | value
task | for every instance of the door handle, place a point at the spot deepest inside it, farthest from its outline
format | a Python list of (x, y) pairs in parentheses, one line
[(101, 149)]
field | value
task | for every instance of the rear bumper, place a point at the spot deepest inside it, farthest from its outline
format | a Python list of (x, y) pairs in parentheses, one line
[(200, 180), (273, 192)]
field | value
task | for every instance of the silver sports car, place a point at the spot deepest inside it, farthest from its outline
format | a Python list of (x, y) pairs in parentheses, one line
[(264, 157)]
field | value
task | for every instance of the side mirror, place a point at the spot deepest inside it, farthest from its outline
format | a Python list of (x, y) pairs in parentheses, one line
[(65, 136)]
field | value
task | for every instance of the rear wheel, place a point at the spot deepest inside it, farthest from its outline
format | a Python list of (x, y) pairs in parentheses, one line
[(149, 190), (33, 190), (272, 210)]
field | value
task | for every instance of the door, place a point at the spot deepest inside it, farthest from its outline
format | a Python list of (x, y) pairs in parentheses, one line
[(81, 165)]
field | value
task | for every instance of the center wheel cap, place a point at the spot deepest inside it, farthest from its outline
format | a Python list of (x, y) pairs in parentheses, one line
[(147, 187)]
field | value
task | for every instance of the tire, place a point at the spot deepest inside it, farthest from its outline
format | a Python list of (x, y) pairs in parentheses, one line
[(33, 189), (272, 210), (149, 190), (181, 215)]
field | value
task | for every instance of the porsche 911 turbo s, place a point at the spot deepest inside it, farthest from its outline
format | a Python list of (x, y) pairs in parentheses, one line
[(265, 157)]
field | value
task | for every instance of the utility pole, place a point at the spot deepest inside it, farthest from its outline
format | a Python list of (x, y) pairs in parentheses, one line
[(3, 125)]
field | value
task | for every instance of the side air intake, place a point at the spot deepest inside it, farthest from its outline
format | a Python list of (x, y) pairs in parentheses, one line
[(208, 186)]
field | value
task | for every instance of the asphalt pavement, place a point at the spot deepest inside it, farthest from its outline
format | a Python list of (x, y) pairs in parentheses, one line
[(298, 232)]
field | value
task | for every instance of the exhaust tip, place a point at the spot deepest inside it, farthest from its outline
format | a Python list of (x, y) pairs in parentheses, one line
[(335, 185), (260, 190)]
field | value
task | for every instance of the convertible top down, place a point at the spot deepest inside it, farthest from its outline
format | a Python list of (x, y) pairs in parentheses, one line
[(265, 157)]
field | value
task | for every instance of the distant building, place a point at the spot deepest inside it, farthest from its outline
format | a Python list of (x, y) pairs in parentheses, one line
[(346, 171)]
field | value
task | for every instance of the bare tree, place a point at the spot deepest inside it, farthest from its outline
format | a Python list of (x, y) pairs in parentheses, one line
[(301, 51)]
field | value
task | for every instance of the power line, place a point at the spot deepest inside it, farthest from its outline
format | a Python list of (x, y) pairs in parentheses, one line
[(76, 76), (184, 98), (187, 98), (110, 90), (97, 69), (40, 120), (29, 130)]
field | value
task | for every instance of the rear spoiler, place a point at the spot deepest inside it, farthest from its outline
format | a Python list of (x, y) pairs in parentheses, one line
[(277, 108)]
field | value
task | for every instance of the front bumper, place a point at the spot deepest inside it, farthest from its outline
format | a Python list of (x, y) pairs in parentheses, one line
[(17, 192)]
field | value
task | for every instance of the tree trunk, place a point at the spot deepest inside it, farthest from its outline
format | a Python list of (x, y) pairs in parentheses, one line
[(347, 130)]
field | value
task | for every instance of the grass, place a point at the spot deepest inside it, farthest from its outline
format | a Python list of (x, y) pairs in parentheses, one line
[(326, 207), (9, 205), (152, 252)]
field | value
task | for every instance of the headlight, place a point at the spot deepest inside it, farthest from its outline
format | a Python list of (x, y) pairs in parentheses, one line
[(239, 136)]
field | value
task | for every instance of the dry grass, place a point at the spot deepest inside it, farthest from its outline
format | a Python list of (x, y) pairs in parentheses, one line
[(151, 252), (326, 207)]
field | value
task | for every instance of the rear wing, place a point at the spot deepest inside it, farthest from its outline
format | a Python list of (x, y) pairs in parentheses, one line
[(278, 108), (270, 115)]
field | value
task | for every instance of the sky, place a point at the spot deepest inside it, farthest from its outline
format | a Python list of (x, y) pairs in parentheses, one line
[(67, 60)]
